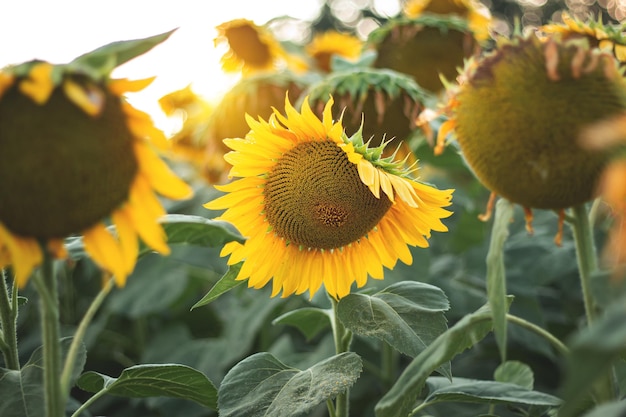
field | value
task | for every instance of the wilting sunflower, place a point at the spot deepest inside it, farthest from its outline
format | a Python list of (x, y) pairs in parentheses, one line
[(477, 14), (319, 207), (252, 48), (331, 43), (383, 103), (254, 96), (517, 114), (426, 47), (75, 156), (606, 37)]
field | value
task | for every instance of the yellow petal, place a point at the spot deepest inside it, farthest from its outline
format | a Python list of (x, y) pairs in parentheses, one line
[(105, 251), (24, 254), (38, 86), (123, 85), (6, 81), (160, 176), (89, 98), (127, 236)]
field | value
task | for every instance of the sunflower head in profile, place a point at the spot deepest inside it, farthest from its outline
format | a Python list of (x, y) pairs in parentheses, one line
[(426, 47), (331, 43), (382, 103), (518, 111), (476, 13), (605, 37), (255, 96), (188, 144), (79, 157), (252, 48), (319, 207)]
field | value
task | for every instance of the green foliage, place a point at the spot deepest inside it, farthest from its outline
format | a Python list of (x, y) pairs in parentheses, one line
[(169, 380), (261, 385)]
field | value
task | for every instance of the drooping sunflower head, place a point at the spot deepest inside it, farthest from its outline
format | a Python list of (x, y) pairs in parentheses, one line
[(255, 96), (384, 104), (605, 37), (517, 114), (79, 157), (477, 14), (426, 47), (319, 207), (327, 44), (252, 48), (188, 144)]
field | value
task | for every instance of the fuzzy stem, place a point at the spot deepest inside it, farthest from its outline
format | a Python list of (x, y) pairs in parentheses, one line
[(68, 366), (343, 338), (605, 390), (586, 257), (8, 324), (47, 287), (558, 345)]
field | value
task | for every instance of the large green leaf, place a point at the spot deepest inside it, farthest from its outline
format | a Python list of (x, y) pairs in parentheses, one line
[(225, 284), (262, 386), (408, 315), (475, 391), (496, 277), (101, 61), (613, 409), (309, 320), (22, 391), (160, 380), (592, 353), (464, 334)]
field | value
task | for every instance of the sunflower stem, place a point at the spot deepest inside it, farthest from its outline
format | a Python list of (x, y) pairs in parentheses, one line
[(605, 389), (8, 324), (556, 343), (343, 338), (389, 364), (47, 287), (77, 340), (586, 257)]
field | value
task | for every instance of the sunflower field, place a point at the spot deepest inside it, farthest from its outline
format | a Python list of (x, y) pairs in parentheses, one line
[(424, 218)]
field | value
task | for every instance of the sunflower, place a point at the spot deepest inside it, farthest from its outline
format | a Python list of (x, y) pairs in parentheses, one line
[(477, 14), (319, 207), (517, 112), (327, 44), (426, 47), (79, 157), (252, 48)]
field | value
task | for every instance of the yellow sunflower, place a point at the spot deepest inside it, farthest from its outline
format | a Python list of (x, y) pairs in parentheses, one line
[(319, 208), (325, 45), (252, 48), (477, 14), (75, 157)]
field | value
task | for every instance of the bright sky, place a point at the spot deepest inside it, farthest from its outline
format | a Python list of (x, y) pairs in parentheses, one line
[(60, 30)]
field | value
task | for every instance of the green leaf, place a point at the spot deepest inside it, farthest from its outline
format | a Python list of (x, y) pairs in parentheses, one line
[(496, 276), (464, 334), (515, 372), (101, 61), (160, 380), (199, 231), (309, 320), (476, 391), (22, 391), (407, 315), (262, 386), (225, 284), (593, 350)]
